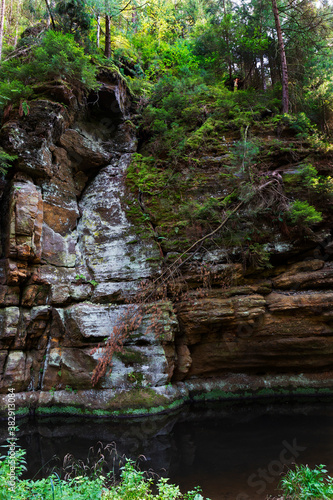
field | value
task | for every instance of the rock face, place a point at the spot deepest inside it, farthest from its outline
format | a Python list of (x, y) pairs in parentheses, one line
[(68, 249), (72, 263), (279, 332)]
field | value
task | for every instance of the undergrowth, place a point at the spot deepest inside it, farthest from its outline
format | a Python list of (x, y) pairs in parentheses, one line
[(304, 483), (133, 484), (57, 56)]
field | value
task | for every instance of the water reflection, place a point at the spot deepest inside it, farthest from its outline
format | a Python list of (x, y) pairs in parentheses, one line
[(235, 452)]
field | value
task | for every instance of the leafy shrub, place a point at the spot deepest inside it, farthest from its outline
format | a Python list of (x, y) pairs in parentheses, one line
[(57, 57), (309, 175), (12, 91), (160, 57), (300, 123), (133, 485), (304, 483), (300, 212), (316, 183)]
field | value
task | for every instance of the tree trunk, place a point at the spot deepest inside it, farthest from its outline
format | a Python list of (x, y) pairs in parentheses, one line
[(10, 22), (272, 69), (17, 22), (98, 29), (107, 51), (134, 21), (226, 37), (263, 75), (50, 13), (2, 23), (284, 67)]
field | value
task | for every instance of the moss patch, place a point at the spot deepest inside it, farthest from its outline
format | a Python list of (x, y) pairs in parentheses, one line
[(136, 402), (131, 356), (217, 394), (137, 399)]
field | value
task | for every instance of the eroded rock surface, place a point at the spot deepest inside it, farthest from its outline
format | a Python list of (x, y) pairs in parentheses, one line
[(70, 254), (72, 263)]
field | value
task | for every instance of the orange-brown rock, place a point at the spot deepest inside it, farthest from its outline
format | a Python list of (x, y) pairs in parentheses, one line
[(60, 197), (183, 362), (205, 317), (35, 295), (282, 332), (302, 276), (16, 271), (17, 374), (25, 222), (9, 295)]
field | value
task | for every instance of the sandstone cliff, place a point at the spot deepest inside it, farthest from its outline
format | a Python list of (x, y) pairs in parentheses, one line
[(72, 259)]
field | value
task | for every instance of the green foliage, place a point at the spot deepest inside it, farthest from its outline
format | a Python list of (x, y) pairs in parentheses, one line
[(5, 161), (57, 56), (145, 176), (257, 257), (209, 210), (161, 58), (81, 277), (209, 130), (301, 213), (321, 185), (244, 153), (304, 483), (136, 378), (133, 485), (309, 175), (6, 461), (73, 17), (300, 123), (13, 91)]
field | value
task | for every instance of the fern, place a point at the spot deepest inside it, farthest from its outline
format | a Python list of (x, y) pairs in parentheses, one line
[(5, 161)]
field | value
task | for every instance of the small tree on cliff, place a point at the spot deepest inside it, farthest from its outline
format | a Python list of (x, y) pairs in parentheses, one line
[(109, 9), (75, 18)]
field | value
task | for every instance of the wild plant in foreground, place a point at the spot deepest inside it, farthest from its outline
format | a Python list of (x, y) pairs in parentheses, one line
[(304, 483), (133, 485)]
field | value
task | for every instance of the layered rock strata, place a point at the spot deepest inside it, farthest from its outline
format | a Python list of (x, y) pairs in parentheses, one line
[(72, 261)]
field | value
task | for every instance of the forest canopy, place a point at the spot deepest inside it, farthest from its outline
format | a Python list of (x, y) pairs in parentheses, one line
[(280, 45)]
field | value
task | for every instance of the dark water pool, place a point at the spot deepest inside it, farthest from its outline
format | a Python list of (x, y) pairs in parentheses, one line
[(234, 452)]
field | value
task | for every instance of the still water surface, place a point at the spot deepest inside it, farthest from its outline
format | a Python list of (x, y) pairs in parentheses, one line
[(234, 452)]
